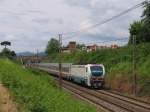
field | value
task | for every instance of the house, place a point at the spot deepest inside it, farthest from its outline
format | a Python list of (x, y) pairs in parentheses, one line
[(65, 50), (91, 48), (95, 48), (114, 46), (71, 47)]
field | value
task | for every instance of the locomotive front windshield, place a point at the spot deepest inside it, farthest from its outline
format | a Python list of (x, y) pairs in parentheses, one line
[(96, 70)]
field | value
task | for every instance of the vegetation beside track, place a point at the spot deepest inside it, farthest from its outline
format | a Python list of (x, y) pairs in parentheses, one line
[(118, 63), (35, 91)]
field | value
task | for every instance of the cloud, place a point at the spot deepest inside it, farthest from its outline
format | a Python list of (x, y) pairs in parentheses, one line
[(29, 24), (82, 3), (35, 11), (41, 20), (103, 10)]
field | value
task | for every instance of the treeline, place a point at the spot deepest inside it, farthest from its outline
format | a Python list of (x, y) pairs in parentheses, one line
[(141, 29)]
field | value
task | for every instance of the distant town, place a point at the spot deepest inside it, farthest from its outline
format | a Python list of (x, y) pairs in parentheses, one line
[(72, 46)]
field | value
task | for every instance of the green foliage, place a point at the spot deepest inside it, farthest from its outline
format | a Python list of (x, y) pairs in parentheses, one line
[(122, 68), (146, 13), (80, 46), (141, 29), (135, 30), (118, 62), (6, 43), (145, 67), (35, 91), (7, 53), (52, 47)]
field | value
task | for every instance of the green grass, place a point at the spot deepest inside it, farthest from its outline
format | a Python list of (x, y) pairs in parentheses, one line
[(35, 91)]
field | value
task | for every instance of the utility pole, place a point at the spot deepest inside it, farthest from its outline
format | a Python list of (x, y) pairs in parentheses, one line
[(134, 67), (37, 56), (60, 61), (37, 53)]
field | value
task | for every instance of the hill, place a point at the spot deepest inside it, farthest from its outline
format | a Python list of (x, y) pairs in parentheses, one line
[(25, 54), (31, 54)]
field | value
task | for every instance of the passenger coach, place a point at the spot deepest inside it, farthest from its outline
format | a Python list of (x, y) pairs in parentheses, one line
[(92, 75)]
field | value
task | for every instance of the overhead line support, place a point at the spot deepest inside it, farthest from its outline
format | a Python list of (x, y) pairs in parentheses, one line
[(60, 61)]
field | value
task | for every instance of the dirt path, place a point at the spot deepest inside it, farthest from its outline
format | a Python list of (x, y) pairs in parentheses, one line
[(6, 103)]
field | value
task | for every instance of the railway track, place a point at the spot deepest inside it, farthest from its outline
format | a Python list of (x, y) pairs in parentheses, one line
[(91, 99), (112, 102), (130, 97), (130, 100)]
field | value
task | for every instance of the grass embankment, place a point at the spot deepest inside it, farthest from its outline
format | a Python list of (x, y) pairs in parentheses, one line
[(36, 92), (118, 63)]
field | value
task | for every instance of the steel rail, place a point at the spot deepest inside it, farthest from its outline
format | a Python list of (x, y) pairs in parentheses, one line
[(120, 101), (126, 99)]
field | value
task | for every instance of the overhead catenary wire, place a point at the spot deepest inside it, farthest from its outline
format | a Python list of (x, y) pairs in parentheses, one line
[(95, 25), (107, 20), (104, 21)]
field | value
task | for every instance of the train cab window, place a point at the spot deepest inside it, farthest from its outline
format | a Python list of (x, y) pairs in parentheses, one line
[(96, 70)]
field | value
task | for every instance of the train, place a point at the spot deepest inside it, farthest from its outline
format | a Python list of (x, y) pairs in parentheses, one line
[(91, 75)]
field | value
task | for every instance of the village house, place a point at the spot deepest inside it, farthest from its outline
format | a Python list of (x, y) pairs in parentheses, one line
[(71, 47), (114, 46), (95, 47)]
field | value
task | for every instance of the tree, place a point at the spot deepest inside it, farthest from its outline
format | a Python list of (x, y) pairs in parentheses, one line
[(80, 46), (141, 29), (145, 32), (52, 46), (13, 54), (135, 30), (6, 43), (6, 52), (146, 13)]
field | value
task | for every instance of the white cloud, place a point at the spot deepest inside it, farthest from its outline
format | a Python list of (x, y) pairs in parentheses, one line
[(29, 24)]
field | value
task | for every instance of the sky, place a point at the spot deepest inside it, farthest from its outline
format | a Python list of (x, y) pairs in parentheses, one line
[(30, 24)]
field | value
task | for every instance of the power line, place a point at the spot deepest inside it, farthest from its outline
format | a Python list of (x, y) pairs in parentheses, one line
[(60, 61), (134, 67), (107, 20)]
